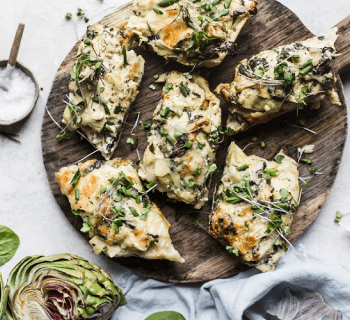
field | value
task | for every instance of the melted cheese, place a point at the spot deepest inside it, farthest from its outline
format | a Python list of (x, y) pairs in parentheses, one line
[(255, 101), (239, 225), (163, 31), (118, 85), (172, 166), (148, 238)]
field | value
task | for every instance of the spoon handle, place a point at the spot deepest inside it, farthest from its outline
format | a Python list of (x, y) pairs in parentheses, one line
[(16, 44)]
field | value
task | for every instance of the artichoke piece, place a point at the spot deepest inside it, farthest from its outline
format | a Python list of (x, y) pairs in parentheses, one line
[(3, 297), (60, 287)]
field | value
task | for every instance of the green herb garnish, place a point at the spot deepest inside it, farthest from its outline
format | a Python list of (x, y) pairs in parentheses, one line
[(242, 168), (284, 193), (134, 212), (279, 158), (212, 168), (157, 11), (188, 144), (183, 90), (76, 178), (167, 3), (232, 250), (201, 145), (168, 87), (190, 183), (65, 136), (76, 194)]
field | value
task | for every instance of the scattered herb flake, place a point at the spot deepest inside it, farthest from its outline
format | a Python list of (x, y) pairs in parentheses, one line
[(196, 222), (212, 168), (132, 141), (338, 216), (307, 160)]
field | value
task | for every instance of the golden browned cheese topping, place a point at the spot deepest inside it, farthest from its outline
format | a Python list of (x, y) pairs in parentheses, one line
[(182, 141), (281, 80), (105, 81), (117, 213), (198, 33), (254, 206)]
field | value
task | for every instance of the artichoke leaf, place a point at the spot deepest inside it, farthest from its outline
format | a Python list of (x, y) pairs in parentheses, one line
[(4, 292), (61, 287)]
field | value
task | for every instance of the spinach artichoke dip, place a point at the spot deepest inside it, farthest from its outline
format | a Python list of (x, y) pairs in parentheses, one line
[(180, 155), (282, 80), (104, 83), (191, 32), (117, 213), (254, 207)]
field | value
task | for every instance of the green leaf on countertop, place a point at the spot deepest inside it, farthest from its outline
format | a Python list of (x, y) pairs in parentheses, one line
[(9, 243), (166, 315)]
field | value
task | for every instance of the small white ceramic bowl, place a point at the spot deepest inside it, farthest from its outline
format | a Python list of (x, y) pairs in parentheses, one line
[(3, 64)]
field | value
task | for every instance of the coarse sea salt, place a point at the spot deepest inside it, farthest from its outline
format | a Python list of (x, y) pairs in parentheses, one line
[(17, 93)]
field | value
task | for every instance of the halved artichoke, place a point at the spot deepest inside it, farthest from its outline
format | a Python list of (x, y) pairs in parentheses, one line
[(61, 287)]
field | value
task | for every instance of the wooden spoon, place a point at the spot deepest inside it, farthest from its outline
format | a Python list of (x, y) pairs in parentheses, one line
[(16, 45)]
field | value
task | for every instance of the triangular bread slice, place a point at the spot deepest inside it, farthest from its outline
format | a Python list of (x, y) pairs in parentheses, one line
[(254, 207), (116, 210)]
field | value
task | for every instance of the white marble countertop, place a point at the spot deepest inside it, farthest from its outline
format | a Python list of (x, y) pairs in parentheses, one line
[(27, 205)]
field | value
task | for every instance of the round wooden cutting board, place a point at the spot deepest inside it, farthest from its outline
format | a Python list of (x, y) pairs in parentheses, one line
[(206, 258)]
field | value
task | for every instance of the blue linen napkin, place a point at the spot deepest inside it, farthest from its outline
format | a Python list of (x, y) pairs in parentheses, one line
[(247, 294)]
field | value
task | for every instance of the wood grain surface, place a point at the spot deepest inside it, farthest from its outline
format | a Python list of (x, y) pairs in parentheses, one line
[(207, 259)]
